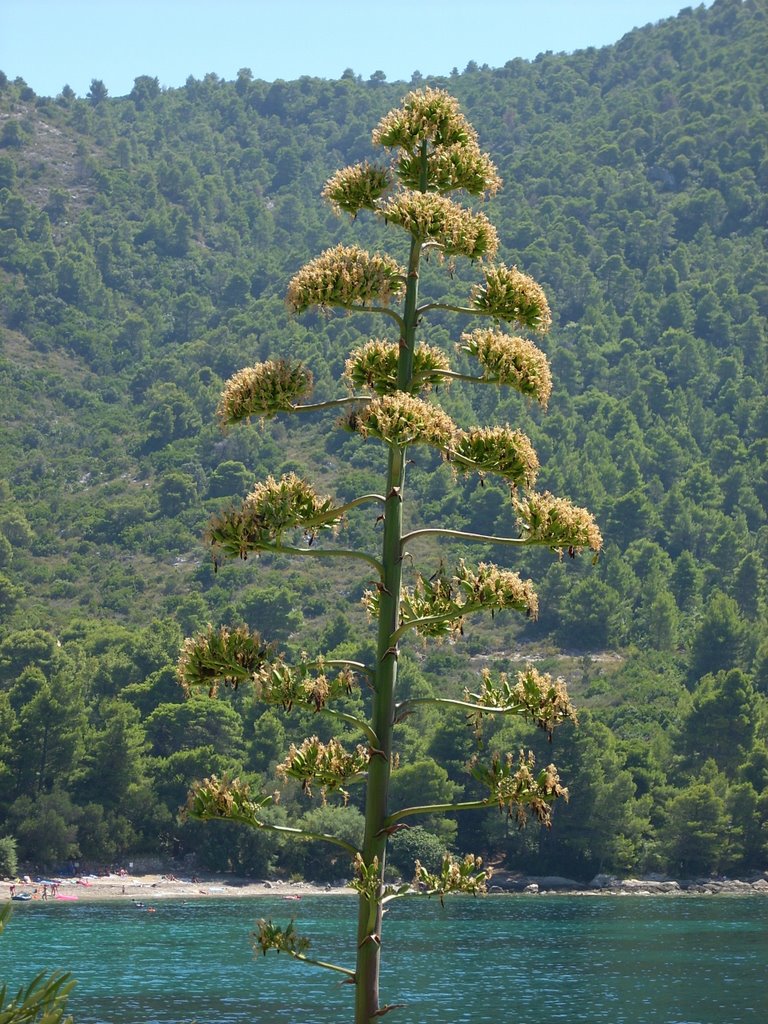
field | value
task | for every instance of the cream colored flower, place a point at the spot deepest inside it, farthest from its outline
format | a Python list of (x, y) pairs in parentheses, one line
[(516, 362), (270, 510), (510, 295), (327, 764), (436, 607), (557, 522), (426, 115), (516, 786), (466, 875), (357, 187), (402, 419), (223, 655), (345, 276), (489, 586), (264, 390), (534, 693), (431, 217), (497, 450), (374, 366), (461, 166), (304, 685)]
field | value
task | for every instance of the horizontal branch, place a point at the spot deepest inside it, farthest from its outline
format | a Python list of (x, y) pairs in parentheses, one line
[(332, 403), (398, 896), (352, 307), (361, 501), (339, 510), (321, 963), (462, 460), (430, 620), (358, 723), (296, 833), (453, 375), (281, 549), (461, 535), (467, 805), (357, 666), (448, 307), (510, 709), (485, 538)]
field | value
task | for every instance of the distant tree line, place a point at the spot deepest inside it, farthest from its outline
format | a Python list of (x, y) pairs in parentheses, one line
[(143, 242)]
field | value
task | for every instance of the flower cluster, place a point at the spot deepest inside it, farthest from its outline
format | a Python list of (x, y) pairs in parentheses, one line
[(345, 276), (450, 168), (401, 419), (268, 512), (431, 606), (327, 764), (216, 799), (357, 187), (263, 390), (367, 878), (436, 607), (374, 366), (510, 295), (516, 362), (556, 522), (501, 450), (431, 217), (492, 588), (306, 684), (223, 655), (516, 786), (536, 694), (425, 115), (467, 875), (282, 940)]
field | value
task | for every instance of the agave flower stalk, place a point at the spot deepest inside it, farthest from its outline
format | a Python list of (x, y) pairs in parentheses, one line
[(435, 158)]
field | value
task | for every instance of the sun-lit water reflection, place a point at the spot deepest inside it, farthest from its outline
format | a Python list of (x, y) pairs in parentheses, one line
[(527, 960)]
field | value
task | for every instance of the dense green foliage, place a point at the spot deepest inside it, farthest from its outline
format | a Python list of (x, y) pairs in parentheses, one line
[(145, 245)]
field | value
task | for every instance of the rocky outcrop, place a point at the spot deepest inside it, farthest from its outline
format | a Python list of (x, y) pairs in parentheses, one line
[(656, 885), (648, 885)]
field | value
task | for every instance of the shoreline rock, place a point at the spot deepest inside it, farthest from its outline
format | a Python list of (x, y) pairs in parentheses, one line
[(612, 885)]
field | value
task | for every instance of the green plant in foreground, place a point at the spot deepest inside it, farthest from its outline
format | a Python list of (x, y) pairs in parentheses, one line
[(43, 1001), (434, 155)]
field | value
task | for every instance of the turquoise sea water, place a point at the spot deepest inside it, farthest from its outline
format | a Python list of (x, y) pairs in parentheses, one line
[(497, 960)]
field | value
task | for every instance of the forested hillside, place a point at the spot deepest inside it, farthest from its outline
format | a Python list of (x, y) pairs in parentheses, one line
[(146, 243)]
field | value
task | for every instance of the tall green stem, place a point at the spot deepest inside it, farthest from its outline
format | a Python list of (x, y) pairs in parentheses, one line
[(385, 681)]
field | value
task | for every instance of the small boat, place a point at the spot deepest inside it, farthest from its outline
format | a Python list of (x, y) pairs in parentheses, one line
[(22, 897)]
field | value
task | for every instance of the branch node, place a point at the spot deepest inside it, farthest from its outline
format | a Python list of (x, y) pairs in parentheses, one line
[(391, 830)]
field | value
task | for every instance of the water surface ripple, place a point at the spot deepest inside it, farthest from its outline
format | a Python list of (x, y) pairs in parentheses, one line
[(516, 959)]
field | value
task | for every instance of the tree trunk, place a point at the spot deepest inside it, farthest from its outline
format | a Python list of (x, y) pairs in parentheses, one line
[(385, 680)]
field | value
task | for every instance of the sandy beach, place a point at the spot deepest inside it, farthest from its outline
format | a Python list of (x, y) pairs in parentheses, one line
[(148, 888)]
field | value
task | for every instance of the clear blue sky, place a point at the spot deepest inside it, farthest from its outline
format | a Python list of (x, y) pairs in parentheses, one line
[(50, 43)]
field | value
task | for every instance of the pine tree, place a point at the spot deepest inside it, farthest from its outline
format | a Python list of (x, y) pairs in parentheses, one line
[(434, 156)]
